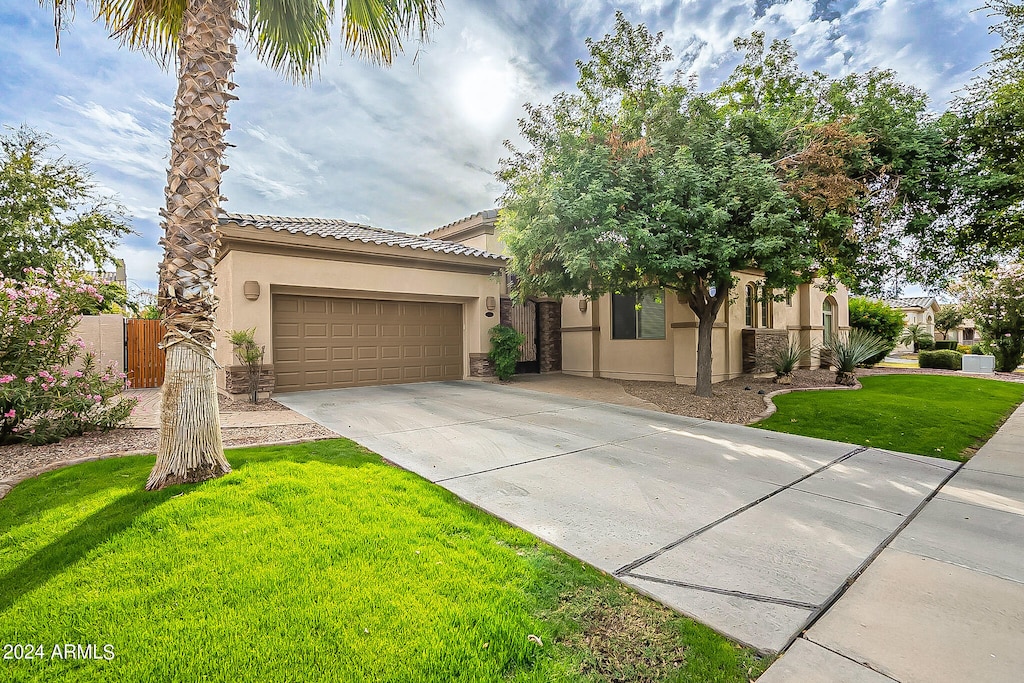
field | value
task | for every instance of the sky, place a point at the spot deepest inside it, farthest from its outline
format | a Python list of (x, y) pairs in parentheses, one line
[(415, 146)]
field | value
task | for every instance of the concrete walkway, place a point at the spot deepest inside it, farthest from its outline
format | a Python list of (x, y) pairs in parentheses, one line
[(749, 531), (945, 600), (147, 414)]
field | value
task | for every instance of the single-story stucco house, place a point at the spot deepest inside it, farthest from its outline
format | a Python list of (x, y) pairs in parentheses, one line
[(338, 304), (923, 311)]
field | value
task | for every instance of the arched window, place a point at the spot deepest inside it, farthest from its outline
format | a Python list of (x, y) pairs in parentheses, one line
[(766, 308), (828, 321), (751, 294)]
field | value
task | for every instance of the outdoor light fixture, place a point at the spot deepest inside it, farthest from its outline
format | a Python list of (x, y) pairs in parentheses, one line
[(491, 303), (583, 305), (251, 290)]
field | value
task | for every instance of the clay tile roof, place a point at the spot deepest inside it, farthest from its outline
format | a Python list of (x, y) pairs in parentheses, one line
[(353, 232), (911, 302), (483, 216)]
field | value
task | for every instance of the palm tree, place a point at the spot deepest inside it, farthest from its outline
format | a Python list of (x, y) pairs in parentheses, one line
[(913, 335), (290, 36)]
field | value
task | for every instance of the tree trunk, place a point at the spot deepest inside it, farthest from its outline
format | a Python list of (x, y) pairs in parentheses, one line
[(190, 448), (705, 327), (706, 308)]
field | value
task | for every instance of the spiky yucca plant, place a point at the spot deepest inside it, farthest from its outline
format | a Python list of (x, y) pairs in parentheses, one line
[(785, 359), (198, 36), (847, 350)]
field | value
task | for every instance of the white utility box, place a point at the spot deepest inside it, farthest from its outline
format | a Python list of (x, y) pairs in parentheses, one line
[(980, 365)]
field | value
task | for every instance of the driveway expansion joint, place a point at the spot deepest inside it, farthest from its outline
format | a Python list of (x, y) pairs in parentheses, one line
[(693, 534), (725, 591), (849, 658), (852, 578)]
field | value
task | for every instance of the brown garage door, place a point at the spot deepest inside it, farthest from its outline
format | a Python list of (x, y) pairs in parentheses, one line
[(326, 343)]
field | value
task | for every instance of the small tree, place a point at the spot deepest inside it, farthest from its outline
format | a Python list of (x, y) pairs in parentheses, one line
[(915, 335), (249, 354), (878, 318), (51, 213), (950, 317), (995, 301)]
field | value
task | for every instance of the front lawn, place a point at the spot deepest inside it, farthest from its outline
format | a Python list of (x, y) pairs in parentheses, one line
[(315, 562), (938, 415)]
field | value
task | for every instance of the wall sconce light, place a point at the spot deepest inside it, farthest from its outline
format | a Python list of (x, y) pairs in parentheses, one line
[(583, 305), (251, 290), (491, 303)]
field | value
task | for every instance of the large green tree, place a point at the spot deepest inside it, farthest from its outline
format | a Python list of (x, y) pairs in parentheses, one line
[(51, 215), (989, 138), (875, 173), (995, 300), (198, 36), (638, 183)]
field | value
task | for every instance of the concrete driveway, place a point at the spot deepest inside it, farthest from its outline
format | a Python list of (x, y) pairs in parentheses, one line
[(751, 532)]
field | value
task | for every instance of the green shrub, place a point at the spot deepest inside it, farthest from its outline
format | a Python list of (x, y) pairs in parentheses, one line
[(505, 343), (878, 318), (964, 349), (949, 345), (945, 359), (926, 344), (979, 350)]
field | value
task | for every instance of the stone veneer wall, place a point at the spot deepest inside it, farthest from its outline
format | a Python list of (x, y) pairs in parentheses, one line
[(480, 365), (549, 347), (236, 379), (759, 345)]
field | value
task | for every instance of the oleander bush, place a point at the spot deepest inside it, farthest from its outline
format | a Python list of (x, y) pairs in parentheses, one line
[(49, 387)]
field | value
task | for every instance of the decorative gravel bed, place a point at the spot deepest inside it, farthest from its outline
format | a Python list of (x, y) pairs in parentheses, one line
[(735, 401), (20, 458)]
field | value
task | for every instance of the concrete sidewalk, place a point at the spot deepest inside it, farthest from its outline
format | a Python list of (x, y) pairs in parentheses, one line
[(945, 600), (147, 414)]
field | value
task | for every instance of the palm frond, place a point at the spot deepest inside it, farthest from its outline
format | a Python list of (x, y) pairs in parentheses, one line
[(374, 29), (290, 36), (148, 25)]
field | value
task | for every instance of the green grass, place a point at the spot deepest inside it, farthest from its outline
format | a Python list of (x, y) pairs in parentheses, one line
[(316, 562), (938, 415)]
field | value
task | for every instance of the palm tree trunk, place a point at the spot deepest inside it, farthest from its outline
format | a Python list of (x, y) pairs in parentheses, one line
[(190, 448)]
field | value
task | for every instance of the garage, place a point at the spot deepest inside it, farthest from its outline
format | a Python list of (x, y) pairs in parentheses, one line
[(332, 343)]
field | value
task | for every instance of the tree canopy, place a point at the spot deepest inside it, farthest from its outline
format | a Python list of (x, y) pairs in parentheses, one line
[(638, 183), (51, 214)]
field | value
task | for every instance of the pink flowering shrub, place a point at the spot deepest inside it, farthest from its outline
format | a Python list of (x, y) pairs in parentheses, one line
[(49, 387)]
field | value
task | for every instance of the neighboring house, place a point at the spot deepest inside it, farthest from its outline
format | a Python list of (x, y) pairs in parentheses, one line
[(119, 276), (919, 310), (923, 310), (339, 304)]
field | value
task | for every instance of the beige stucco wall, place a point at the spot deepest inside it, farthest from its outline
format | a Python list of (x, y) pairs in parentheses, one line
[(586, 335), (103, 335), (326, 277)]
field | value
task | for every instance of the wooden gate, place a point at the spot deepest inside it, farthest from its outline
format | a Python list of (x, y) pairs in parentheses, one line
[(523, 318), (144, 360)]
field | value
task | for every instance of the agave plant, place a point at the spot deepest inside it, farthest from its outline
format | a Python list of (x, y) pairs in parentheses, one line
[(847, 350), (785, 359)]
